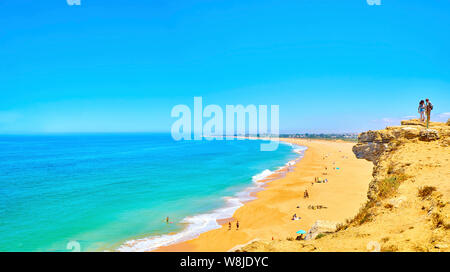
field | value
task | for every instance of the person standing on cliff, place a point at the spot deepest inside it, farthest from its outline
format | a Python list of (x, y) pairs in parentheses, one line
[(421, 110), (429, 108)]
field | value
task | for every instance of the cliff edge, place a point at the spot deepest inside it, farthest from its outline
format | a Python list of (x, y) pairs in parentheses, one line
[(408, 198)]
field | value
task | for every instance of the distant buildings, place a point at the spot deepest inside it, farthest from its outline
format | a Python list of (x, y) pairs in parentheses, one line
[(343, 136)]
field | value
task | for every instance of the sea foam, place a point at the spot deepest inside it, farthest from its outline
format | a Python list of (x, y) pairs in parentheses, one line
[(200, 223)]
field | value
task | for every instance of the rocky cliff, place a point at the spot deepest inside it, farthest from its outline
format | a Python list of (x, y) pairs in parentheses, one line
[(378, 146), (372, 144), (408, 204)]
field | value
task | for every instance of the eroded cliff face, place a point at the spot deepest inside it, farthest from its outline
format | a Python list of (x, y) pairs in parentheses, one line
[(380, 145), (373, 144), (408, 205)]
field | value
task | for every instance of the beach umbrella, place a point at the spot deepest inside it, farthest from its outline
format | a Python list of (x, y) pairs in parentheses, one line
[(301, 232)]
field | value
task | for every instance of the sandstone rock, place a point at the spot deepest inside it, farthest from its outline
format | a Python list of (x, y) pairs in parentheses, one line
[(240, 247), (429, 135), (396, 202), (445, 132), (373, 190), (378, 136), (441, 246), (446, 142), (373, 143), (417, 122), (369, 151), (413, 122), (406, 132), (321, 226)]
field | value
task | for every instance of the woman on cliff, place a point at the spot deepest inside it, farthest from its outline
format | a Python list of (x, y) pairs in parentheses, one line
[(421, 110)]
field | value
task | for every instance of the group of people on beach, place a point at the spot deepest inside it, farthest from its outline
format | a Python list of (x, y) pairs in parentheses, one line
[(320, 180), (425, 107), (237, 225)]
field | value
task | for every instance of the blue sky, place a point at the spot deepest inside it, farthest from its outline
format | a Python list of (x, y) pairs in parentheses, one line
[(116, 66)]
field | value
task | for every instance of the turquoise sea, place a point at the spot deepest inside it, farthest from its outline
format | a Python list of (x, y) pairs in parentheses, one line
[(114, 191)]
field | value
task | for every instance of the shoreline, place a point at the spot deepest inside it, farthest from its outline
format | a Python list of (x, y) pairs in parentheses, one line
[(268, 216), (232, 204)]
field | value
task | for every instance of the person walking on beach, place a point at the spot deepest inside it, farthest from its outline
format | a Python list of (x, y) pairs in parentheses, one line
[(237, 225), (421, 110), (429, 108), (229, 225)]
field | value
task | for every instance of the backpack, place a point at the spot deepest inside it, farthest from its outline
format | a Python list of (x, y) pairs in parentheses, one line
[(430, 106)]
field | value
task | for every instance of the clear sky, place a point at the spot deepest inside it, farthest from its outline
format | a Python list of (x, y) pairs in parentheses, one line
[(119, 65)]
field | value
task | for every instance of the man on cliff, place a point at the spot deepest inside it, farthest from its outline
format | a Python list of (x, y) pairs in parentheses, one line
[(428, 109)]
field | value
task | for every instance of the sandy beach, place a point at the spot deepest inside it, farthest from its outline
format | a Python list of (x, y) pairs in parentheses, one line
[(269, 216)]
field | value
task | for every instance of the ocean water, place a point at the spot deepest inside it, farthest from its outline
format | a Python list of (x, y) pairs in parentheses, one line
[(114, 191)]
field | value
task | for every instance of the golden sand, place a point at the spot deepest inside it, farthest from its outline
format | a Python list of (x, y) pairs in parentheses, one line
[(269, 216), (409, 208)]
